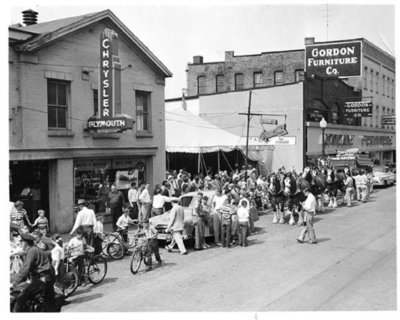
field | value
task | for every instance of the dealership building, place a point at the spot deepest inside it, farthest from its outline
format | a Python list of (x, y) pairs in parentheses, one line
[(349, 83), (86, 109)]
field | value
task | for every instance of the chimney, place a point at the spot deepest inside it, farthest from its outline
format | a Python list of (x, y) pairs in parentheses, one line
[(197, 60), (309, 41), (229, 55), (30, 17)]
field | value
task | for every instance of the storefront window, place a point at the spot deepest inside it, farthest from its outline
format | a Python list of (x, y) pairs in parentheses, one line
[(94, 177)]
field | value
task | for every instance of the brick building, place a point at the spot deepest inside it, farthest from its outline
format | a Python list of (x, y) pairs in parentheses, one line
[(54, 72), (223, 86)]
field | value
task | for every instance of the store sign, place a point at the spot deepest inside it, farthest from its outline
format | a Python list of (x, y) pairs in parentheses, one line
[(388, 120), (334, 59), (332, 139), (282, 141), (278, 131), (108, 120), (358, 109), (376, 140), (269, 121)]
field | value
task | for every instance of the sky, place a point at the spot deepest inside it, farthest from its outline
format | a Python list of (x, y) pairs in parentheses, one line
[(175, 31)]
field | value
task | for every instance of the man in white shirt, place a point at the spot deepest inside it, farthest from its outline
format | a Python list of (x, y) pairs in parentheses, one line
[(217, 203), (145, 200), (87, 219), (243, 217), (309, 211), (133, 196)]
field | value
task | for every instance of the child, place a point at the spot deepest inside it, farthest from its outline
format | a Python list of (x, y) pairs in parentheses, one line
[(243, 216), (226, 215), (77, 246), (98, 230), (57, 258), (41, 223), (151, 236)]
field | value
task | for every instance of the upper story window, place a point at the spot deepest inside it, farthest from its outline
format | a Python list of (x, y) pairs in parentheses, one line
[(388, 87), (298, 75), (143, 111), (335, 113), (239, 81), (365, 78), (95, 102), (383, 85), (57, 104), (257, 79), (377, 116), (220, 83), (377, 82), (371, 81), (393, 88), (201, 85), (278, 77)]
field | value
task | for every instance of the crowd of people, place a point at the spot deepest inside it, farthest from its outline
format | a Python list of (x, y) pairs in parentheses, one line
[(238, 198)]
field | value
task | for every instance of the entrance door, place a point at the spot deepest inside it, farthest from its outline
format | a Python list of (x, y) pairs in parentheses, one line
[(35, 175)]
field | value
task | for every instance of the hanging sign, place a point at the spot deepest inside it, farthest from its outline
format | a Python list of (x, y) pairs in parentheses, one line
[(358, 109), (278, 131), (282, 141), (388, 120), (108, 119), (341, 59)]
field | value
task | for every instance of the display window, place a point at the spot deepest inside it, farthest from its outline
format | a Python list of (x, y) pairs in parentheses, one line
[(93, 178)]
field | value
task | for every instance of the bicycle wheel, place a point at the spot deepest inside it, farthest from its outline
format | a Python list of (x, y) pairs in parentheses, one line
[(136, 261), (115, 250), (70, 281), (97, 269)]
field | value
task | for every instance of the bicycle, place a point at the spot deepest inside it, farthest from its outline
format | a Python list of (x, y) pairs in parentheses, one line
[(95, 271), (116, 246), (141, 249)]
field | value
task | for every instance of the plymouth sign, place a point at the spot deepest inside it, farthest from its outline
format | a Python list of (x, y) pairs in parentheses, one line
[(109, 119), (342, 59)]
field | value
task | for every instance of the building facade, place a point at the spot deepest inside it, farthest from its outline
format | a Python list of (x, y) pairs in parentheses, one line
[(275, 74), (54, 72)]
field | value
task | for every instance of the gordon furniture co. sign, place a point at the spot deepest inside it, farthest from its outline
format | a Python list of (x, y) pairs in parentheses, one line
[(109, 119), (334, 59), (358, 109)]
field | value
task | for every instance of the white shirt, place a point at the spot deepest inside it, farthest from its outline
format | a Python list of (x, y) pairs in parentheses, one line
[(123, 221), (57, 253), (243, 214), (219, 201), (145, 196), (133, 195), (77, 246), (159, 200), (85, 217), (98, 227), (310, 203)]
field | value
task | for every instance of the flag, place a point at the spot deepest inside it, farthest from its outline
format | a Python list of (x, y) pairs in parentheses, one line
[(184, 105)]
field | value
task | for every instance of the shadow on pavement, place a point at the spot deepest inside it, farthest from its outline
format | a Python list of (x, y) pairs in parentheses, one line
[(323, 239), (87, 298)]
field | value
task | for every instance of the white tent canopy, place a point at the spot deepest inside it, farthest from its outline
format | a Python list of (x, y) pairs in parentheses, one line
[(186, 132)]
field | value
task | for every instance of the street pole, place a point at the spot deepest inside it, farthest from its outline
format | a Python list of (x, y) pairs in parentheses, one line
[(323, 143), (247, 138)]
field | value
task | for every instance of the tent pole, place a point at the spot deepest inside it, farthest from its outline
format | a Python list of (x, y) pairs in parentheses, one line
[(219, 167), (198, 164)]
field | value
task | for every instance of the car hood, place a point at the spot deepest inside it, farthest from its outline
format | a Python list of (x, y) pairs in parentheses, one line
[(381, 174), (163, 219)]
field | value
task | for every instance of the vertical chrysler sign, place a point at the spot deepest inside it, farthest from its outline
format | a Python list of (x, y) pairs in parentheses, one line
[(327, 60), (109, 118)]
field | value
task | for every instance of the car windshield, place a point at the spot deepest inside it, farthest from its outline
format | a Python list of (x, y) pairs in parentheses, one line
[(381, 169), (185, 201)]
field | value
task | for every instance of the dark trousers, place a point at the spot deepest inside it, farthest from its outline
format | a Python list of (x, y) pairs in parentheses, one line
[(243, 229), (34, 288), (226, 233), (153, 248), (116, 212), (198, 232), (134, 211), (88, 235)]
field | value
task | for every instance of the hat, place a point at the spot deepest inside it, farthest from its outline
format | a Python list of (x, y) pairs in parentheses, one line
[(28, 237), (207, 178), (81, 201), (205, 198)]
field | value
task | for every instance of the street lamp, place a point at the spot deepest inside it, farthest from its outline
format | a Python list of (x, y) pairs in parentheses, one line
[(323, 125)]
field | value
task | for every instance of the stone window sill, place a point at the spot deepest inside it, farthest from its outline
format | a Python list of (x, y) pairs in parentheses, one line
[(60, 133), (142, 134)]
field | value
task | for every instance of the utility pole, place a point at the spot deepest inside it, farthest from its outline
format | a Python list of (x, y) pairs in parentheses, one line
[(247, 137)]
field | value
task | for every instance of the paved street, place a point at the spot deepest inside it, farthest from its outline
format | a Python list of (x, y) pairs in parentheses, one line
[(353, 267)]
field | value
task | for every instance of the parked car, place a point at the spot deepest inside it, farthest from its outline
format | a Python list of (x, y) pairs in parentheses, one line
[(188, 202), (383, 176)]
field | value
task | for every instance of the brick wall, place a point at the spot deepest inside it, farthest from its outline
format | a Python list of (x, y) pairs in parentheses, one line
[(267, 63)]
